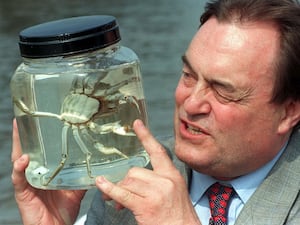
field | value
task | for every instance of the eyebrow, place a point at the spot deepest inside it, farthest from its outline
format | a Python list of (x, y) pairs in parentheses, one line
[(187, 63), (219, 83), (223, 84)]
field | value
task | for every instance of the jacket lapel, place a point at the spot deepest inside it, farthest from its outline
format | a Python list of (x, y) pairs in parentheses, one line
[(169, 145), (273, 200)]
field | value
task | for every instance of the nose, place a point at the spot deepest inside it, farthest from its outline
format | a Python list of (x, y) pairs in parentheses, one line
[(197, 103)]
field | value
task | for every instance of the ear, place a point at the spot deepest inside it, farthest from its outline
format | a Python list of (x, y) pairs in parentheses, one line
[(291, 116)]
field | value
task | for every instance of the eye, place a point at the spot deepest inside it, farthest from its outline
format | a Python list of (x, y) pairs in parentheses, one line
[(225, 93), (188, 78), (225, 96), (186, 75)]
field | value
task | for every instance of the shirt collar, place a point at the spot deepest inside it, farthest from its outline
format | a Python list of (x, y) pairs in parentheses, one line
[(244, 186)]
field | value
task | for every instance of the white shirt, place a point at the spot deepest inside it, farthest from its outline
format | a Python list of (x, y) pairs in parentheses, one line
[(81, 220)]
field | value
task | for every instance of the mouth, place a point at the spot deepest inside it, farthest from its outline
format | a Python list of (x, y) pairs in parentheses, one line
[(192, 130)]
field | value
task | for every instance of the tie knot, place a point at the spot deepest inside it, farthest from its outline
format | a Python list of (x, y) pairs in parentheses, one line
[(219, 196)]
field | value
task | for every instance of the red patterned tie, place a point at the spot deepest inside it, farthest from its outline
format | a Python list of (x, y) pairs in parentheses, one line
[(219, 196)]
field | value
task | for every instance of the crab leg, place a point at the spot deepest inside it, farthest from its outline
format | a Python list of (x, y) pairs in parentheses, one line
[(113, 89), (84, 149), (64, 154), (24, 108), (132, 100)]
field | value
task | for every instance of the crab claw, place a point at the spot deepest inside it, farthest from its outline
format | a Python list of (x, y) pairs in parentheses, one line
[(109, 150), (114, 127), (124, 131)]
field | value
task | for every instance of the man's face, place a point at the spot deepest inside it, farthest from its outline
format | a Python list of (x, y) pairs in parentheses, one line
[(225, 125)]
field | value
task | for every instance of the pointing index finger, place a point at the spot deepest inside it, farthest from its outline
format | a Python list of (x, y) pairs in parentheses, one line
[(159, 158)]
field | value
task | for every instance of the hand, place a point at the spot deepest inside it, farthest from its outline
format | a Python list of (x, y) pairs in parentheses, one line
[(40, 206), (155, 197)]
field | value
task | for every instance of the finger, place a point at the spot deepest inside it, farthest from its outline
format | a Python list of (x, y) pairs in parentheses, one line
[(16, 145), (106, 197), (20, 162), (137, 179), (122, 196), (117, 205), (18, 174), (158, 156)]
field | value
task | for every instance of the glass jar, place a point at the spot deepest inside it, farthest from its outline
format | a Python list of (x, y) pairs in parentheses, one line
[(76, 95)]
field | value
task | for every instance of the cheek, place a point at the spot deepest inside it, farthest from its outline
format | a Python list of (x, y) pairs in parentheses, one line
[(232, 123), (229, 122), (181, 94)]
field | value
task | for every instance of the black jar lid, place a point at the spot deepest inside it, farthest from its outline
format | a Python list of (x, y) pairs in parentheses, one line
[(69, 36)]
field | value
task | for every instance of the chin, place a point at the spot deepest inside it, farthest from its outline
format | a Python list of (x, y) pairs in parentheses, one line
[(196, 157), (186, 152)]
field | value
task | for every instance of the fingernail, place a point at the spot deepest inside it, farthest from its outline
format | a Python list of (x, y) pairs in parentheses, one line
[(102, 183), (101, 180), (22, 158), (139, 123)]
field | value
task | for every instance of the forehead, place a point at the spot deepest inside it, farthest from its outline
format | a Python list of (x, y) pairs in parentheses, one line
[(245, 46)]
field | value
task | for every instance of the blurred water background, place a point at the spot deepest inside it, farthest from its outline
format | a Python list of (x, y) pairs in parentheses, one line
[(159, 31)]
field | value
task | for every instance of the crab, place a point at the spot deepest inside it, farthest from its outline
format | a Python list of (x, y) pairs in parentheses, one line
[(88, 99)]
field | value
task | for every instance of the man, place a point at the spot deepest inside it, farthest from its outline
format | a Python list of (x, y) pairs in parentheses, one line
[(236, 116)]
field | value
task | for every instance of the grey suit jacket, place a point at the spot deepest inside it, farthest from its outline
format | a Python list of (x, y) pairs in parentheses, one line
[(275, 202)]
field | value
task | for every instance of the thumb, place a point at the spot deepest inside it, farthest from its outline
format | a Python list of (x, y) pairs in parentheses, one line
[(18, 174), (20, 162), (16, 145)]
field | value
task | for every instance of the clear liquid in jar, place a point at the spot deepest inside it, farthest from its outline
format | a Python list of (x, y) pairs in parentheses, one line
[(79, 126)]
